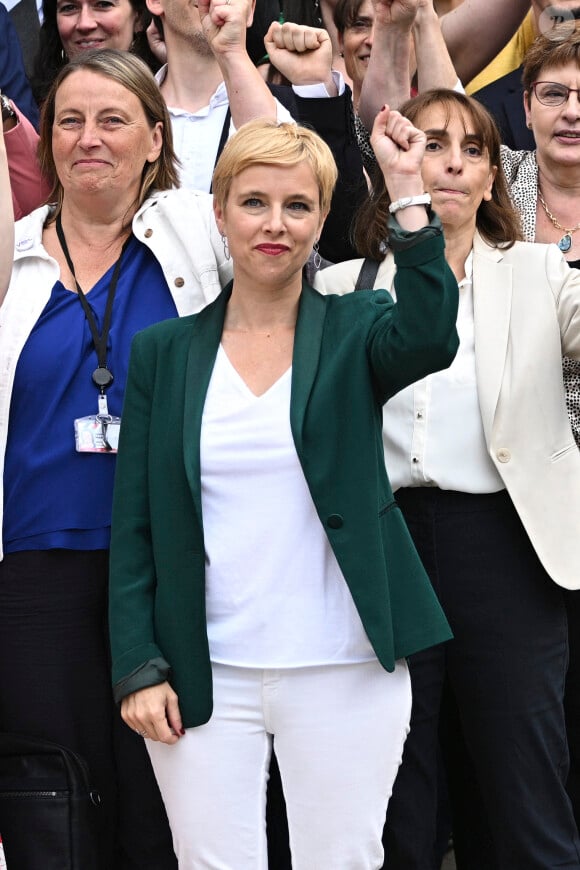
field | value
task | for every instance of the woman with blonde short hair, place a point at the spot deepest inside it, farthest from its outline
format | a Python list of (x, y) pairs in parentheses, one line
[(264, 589)]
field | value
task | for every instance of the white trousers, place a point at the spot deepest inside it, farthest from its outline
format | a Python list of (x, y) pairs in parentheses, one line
[(338, 733)]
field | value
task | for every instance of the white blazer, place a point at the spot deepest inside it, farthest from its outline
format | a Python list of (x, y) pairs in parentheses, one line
[(527, 316)]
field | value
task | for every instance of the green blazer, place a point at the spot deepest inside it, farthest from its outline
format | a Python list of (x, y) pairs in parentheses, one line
[(351, 353)]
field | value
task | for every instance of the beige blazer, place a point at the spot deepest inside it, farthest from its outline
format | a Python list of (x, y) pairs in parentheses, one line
[(527, 315)]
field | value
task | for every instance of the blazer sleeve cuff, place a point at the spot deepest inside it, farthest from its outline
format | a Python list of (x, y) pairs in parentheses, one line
[(151, 673), (402, 240)]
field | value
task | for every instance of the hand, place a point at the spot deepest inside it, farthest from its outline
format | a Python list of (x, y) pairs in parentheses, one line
[(400, 13), (154, 713), (224, 23), (302, 54), (156, 42), (399, 148)]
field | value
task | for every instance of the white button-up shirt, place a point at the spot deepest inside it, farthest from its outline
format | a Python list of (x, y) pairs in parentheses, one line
[(433, 433)]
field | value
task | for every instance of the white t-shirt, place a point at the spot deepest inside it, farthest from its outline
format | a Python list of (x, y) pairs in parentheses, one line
[(275, 594)]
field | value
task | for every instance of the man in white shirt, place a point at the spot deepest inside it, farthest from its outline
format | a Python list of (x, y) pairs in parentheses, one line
[(209, 71), (211, 87)]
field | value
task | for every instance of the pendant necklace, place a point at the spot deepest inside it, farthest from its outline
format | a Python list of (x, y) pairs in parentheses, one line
[(565, 242)]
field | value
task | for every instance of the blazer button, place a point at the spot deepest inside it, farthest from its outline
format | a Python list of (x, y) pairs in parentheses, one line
[(148, 233), (335, 521), (503, 454), (179, 282)]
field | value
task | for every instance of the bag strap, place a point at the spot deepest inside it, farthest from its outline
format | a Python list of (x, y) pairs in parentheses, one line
[(367, 275), (223, 139)]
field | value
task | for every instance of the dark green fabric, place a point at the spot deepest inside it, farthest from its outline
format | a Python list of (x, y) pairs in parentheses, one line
[(152, 673), (402, 240), (351, 353)]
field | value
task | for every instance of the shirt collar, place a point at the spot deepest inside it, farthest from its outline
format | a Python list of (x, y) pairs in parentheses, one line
[(468, 268), (218, 98)]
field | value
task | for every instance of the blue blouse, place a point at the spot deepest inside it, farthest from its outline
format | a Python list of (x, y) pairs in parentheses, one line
[(54, 496)]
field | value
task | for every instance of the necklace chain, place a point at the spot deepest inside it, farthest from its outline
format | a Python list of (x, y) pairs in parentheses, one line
[(279, 327), (553, 219), (565, 242)]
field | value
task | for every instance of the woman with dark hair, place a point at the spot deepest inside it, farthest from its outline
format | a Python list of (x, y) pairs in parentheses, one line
[(355, 24), (544, 185), (487, 474), (71, 27)]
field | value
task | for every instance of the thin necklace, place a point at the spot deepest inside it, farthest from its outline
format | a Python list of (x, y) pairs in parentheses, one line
[(565, 242), (268, 333)]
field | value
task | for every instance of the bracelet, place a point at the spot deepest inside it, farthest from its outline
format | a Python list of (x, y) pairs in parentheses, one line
[(7, 110), (406, 201)]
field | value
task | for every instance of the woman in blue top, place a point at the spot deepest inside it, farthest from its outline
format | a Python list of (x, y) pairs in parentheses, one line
[(108, 259)]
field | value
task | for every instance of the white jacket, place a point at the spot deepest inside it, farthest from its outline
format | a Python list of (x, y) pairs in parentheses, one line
[(177, 226), (526, 314)]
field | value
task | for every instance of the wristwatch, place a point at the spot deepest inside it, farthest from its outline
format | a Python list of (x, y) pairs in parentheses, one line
[(406, 201), (7, 110)]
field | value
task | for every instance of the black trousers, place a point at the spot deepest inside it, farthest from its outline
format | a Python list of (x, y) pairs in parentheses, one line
[(572, 699), (497, 688), (55, 683)]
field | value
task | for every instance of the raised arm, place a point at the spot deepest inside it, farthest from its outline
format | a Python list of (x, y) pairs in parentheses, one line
[(224, 25), (422, 337), (387, 79), (392, 49), (13, 81), (6, 222), (478, 29), (399, 148), (29, 187), (434, 65), (458, 45), (302, 54)]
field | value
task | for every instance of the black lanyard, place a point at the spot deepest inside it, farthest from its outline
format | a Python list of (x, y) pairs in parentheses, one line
[(102, 375)]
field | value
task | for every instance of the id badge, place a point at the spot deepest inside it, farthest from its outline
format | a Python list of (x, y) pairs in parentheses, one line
[(97, 433)]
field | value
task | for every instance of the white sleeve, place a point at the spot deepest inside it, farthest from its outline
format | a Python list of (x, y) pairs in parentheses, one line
[(317, 91)]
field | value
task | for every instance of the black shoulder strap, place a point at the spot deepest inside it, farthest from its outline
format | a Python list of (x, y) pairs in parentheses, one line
[(367, 275), (223, 138)]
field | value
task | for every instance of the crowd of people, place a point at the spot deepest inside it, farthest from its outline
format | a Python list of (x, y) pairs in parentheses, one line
[(354, 224)]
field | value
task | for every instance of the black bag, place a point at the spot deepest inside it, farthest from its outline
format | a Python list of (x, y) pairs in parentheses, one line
[(48, 811)]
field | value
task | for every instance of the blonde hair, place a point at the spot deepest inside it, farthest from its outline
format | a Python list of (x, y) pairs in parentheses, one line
[(266, 142), (133, 74)]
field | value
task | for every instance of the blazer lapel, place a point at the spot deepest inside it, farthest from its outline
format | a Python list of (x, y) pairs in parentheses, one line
[(205, 338), (492, 297), (307, 343), (203, 347)]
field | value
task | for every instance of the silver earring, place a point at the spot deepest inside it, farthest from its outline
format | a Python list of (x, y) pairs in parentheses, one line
[(226, 248), (317, 259)]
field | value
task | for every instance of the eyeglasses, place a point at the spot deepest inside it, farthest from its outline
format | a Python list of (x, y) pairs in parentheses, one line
[(552, 93)]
